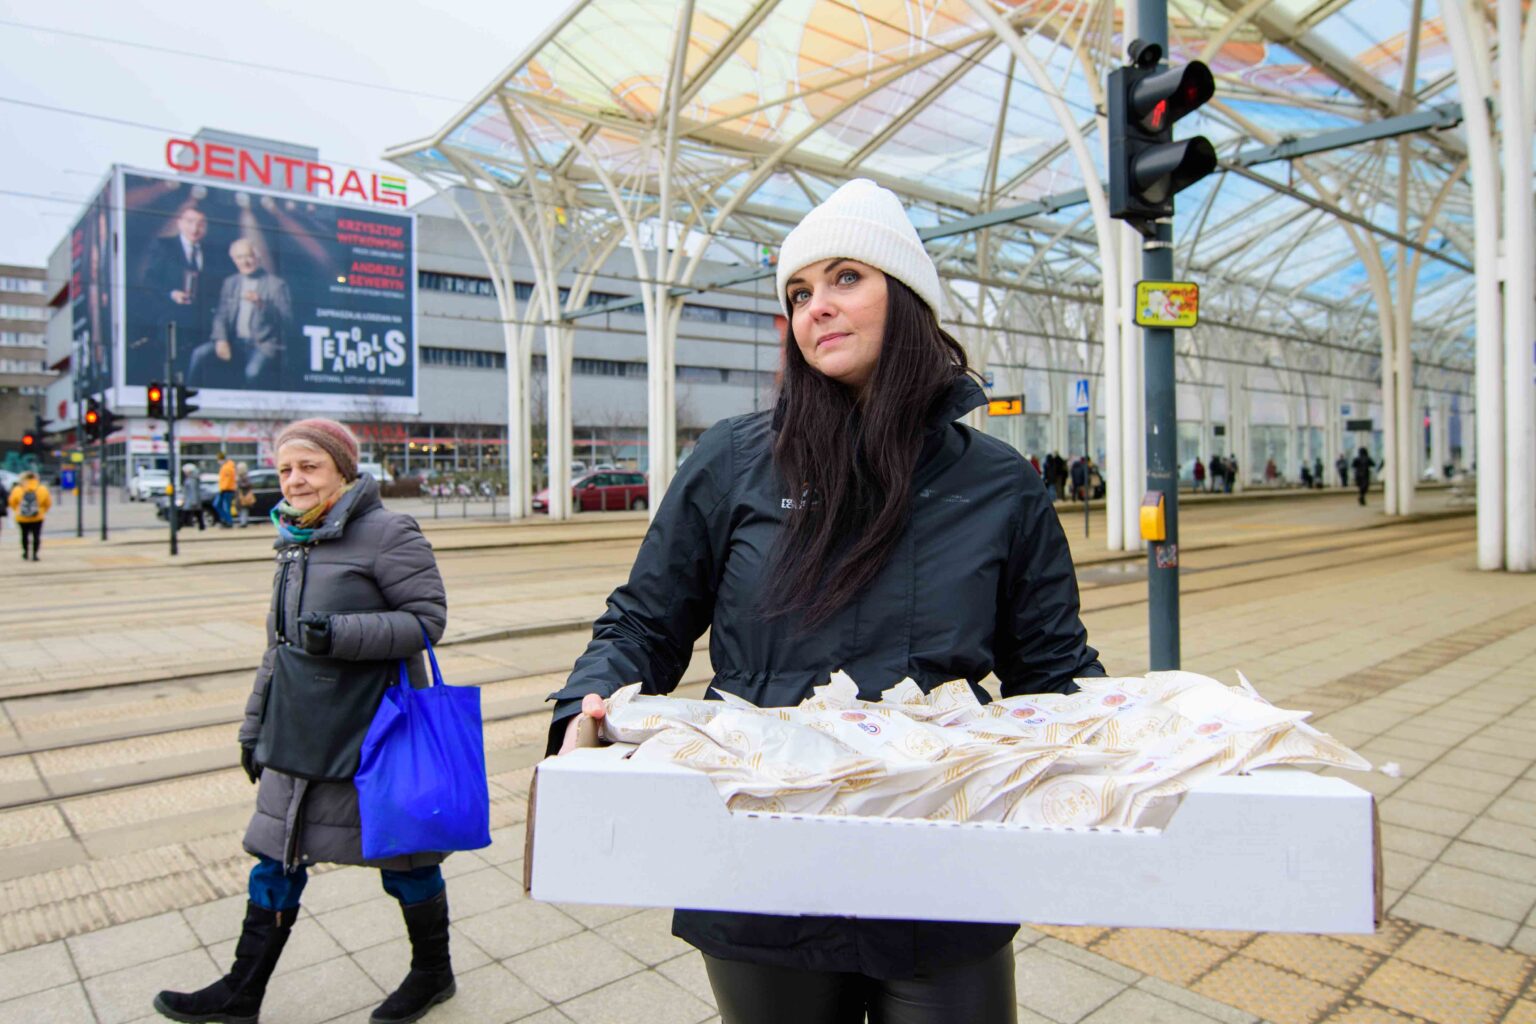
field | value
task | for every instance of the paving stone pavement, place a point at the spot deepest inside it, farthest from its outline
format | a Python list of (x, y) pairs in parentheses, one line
[(1402, 649)]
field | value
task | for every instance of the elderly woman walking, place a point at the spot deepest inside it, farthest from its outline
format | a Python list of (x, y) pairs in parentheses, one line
[(356, 588)]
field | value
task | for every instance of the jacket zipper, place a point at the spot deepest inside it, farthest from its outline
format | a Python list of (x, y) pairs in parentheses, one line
[(282, 601)]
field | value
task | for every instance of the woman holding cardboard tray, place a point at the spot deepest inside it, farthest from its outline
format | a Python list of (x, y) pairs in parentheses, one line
[(858, 527)]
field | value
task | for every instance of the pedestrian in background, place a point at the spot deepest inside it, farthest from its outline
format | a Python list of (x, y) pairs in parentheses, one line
[(30, 501), (1218, 473), (224, 504), (5, 504), (245, 494), (192, 495), (1342, 465), (1317, 472), (1362, 466), (355, 582), (1199, 474), (1231, 474), (809, 539)]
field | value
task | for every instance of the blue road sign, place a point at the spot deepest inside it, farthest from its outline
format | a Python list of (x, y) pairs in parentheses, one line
[(1080, 396), (67, 479), (990, 380)]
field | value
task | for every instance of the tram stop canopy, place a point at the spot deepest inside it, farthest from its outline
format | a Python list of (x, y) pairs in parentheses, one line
[(1337, 245)]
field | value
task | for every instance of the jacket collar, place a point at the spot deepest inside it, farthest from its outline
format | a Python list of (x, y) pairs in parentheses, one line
[(964, 395), (360, 500)]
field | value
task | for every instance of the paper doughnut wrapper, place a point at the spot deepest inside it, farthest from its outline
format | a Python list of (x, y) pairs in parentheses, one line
[(1120, 752)]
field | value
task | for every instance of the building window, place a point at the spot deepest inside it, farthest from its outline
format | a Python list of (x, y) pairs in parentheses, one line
[(10, 312), (463, 358), (734, 317), (26, 285), (22, 339), (459, 284), (465, 284)]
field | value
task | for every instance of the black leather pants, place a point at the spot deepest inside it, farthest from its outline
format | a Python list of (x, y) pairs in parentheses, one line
[(977, 993)]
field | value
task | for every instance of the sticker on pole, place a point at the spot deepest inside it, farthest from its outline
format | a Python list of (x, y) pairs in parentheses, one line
[(1167, 303)]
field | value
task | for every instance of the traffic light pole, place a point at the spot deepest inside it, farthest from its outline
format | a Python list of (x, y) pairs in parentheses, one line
[(80, 472), (101, 467), (1162, 415), (172, 513)]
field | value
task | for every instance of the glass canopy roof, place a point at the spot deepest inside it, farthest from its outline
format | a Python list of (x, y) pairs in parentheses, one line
[(787, 98)]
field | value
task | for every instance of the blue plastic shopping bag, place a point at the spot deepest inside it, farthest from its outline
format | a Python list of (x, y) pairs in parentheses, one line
[(421, 782)]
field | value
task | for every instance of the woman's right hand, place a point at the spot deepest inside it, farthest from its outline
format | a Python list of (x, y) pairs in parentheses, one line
[(592, 710)]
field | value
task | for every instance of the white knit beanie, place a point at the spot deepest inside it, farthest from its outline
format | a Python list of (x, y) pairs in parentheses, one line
[(862, 221)]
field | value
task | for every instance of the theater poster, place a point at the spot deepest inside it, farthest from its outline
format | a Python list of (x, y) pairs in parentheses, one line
[(278, 302), (90, 295)]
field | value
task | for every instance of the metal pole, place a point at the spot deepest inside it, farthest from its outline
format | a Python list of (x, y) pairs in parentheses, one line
[(172, 514), (1088, 476), (1162, 422), (80, 443), (101, 473)]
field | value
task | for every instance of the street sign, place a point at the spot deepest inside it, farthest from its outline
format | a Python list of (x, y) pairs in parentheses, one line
[(1080, 396), (1359, 425), (1167, 303), (77, 457), (991, 381), (1013, 406)]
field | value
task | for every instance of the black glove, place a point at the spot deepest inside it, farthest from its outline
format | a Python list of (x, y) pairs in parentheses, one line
[(248, 762), (315, 633)]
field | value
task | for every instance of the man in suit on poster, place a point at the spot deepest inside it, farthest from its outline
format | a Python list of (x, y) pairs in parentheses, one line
[(249, 330)]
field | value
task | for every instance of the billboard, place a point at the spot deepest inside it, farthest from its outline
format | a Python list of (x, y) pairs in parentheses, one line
[(90, 295), (280, 302)]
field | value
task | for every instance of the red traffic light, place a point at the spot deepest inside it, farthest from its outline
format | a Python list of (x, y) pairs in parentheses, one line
[(92, 417), (27, 440), (155, 394)]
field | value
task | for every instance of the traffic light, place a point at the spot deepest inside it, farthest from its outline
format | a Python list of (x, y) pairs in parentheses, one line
[(1146, 167), (107, 424), (184, 407), (154, 397), (92, 419), (29, 443)]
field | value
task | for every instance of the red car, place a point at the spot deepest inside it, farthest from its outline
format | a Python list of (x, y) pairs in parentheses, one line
[(612, 491)]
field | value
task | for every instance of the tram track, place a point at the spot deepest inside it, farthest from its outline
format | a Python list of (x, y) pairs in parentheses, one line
[(1222, 572)]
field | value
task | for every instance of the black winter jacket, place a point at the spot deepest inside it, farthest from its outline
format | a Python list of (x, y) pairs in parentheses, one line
[(982, 582)]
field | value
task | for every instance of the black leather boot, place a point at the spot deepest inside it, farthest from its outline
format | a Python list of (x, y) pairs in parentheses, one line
[(236, 997), (431, 978)]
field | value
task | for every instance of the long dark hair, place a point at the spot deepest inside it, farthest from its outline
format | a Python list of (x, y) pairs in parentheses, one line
[(848, 460)]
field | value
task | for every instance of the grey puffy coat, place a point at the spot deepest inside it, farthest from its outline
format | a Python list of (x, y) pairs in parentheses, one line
[(374, 573)]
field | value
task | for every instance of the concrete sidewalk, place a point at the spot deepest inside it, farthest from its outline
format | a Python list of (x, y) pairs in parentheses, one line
[(1410, 655)]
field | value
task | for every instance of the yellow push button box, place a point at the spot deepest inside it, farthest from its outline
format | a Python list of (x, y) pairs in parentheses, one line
[(1154, 523)]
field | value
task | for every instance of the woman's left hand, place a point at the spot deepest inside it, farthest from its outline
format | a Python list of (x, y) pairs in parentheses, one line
[(315, 633)]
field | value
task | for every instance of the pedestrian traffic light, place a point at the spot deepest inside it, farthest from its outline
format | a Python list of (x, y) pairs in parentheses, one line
[(92, 419), (184, 406), (154, 401), (1146, 167)]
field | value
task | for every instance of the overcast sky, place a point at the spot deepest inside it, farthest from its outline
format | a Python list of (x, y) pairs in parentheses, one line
[(421, 51)]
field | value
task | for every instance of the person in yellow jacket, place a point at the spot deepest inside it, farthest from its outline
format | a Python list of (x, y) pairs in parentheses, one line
[(30, 501), (223, 505)]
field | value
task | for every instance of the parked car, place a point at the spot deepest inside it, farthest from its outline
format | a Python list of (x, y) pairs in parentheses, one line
[(147, 484), (377, 471), (603, 492), (263, 482)]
